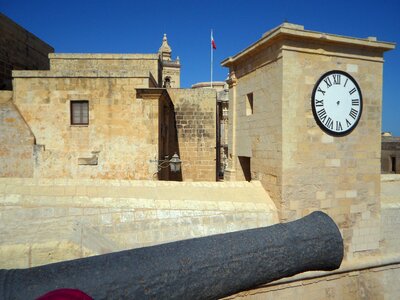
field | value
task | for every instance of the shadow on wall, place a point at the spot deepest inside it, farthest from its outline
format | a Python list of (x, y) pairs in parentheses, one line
[(245, 164)]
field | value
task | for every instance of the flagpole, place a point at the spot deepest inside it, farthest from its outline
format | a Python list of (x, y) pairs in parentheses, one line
[(212, 58)]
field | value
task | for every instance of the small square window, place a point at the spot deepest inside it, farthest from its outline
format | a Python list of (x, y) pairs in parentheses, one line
[(249, 104), (80, 112)]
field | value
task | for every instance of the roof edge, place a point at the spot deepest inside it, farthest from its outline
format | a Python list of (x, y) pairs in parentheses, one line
[(294, 30)]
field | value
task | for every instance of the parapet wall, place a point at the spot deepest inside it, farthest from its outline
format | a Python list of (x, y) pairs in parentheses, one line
[(52, 220), (118, 64)]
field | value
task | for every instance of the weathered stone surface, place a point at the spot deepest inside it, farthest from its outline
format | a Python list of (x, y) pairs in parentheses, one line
[(52, 220), (203, 268), (195, 125), (16, 141)]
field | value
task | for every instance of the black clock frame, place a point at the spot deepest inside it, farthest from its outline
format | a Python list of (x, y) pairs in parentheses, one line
[(320, 124)]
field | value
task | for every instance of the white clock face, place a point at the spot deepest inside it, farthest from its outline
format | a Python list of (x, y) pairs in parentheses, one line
[(337, 103)]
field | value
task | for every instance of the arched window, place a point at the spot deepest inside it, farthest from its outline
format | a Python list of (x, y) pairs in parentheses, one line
[(167, 82)]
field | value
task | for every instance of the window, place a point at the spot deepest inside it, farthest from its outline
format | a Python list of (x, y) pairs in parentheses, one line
[(80, 112), (249, 104)]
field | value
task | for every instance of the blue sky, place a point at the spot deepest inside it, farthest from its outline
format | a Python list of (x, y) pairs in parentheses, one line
[(89, 26)]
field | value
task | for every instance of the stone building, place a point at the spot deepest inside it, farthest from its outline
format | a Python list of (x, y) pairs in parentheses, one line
[(390, 157), (19, 50), (109, 116), (295, 145)]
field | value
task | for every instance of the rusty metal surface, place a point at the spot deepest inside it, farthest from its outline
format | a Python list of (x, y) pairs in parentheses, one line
[(202, 268)]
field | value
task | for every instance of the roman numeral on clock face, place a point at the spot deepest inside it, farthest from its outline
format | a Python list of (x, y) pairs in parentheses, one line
[(336, 78), (329, 123), (322, 115), (353, 113), (328, 82), (339, 126), (319, 102)]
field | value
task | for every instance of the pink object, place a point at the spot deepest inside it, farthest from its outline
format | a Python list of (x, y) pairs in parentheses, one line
[(65, 294)]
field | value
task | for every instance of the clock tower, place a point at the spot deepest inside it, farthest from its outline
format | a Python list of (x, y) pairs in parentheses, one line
[(305, 120)]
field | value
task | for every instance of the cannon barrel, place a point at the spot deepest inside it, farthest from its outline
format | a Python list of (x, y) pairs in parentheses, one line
[(201, 268)]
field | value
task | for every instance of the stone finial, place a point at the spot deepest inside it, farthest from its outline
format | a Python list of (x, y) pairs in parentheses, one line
[(165, 49)]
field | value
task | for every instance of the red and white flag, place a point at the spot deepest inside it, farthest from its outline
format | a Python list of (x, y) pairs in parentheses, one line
[(213, 42)]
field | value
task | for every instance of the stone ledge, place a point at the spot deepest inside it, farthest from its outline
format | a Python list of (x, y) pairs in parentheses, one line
[(77, 74), (390, 177)]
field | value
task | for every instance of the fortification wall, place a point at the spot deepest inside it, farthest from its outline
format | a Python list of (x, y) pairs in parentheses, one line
[(50, 220)]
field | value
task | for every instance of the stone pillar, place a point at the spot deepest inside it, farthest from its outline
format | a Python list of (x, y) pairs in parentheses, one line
[(230, 171)]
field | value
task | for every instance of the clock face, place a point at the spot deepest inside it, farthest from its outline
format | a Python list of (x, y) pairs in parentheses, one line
[(337, 103)]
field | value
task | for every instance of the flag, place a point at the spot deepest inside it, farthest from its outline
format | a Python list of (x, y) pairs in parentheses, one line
[(213, 42)]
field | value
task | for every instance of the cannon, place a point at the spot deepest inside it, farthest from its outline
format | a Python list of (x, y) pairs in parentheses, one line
[(202, 268)]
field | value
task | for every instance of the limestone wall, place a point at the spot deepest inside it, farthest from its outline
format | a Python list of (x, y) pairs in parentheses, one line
[(19, 50), (340, 175), (49, 220), (195, 115), (390, 214), (257, 133), (276, 139), (16, 140), (121, 136)]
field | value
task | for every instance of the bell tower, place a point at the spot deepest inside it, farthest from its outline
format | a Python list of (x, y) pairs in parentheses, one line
[(170, 69)]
